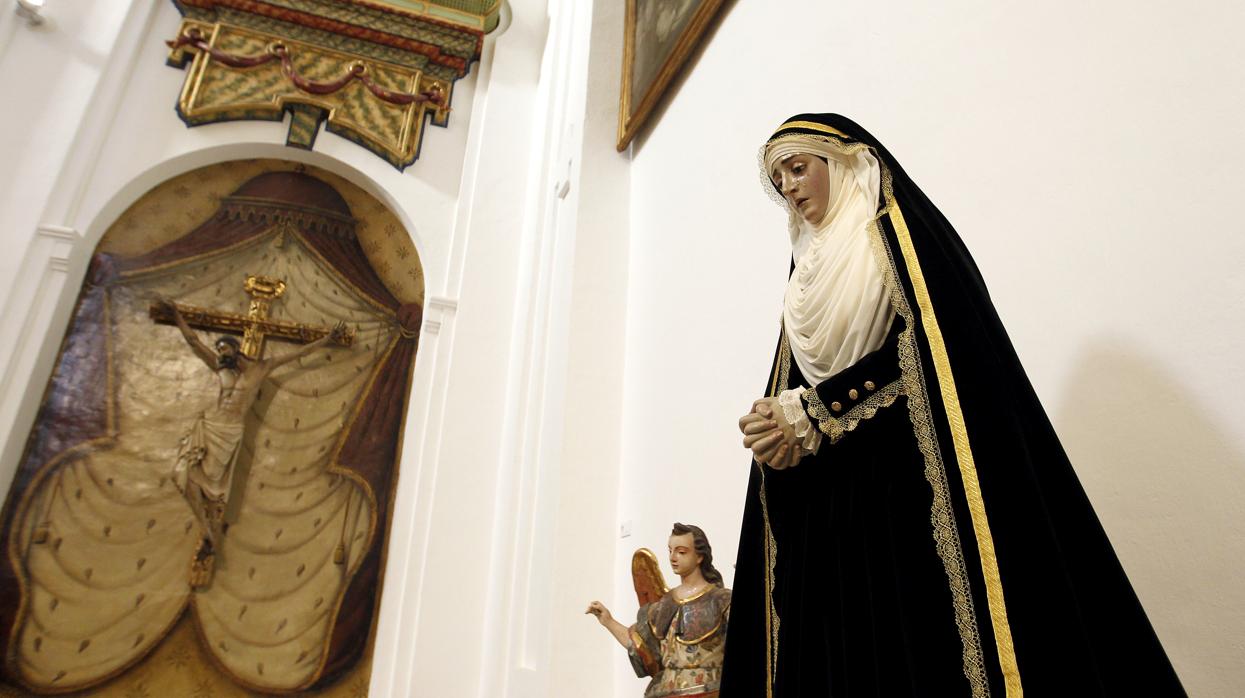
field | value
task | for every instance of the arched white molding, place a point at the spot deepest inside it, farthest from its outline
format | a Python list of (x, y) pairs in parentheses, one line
[(165, 170)]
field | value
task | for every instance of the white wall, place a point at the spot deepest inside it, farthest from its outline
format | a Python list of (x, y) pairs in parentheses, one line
[(583, 654), (1089, 155)]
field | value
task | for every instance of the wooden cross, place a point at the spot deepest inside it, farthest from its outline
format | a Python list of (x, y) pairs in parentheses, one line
[(255, 326)]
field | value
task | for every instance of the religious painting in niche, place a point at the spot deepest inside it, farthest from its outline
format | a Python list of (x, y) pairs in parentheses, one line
[(659, 37), (204, 502)]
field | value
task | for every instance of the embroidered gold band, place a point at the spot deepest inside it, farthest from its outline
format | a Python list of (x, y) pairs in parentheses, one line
[(772, 621), (964, 456), (812, 126)]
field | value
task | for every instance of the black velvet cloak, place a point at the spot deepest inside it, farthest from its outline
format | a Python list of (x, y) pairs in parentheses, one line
[(939, 542)]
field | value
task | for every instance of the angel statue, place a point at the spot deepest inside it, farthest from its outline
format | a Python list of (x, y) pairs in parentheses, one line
[(680, 633)]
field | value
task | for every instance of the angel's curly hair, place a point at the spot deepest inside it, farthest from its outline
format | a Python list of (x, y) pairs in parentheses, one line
[(700, 543)]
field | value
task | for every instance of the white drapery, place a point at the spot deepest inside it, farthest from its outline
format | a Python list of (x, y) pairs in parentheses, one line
[(837, 307)]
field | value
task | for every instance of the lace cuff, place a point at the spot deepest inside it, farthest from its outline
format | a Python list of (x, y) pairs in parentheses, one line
[(836, 427), (793, 411)]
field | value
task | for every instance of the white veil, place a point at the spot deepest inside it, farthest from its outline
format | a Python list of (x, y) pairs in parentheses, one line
[(837, 307)]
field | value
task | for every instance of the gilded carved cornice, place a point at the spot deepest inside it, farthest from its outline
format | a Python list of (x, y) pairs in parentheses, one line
[(478, 14), (369, 70)]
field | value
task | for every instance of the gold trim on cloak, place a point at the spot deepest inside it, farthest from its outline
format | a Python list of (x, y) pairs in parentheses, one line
[(782, 375), (942, 516), (812, 126), (964, 455)]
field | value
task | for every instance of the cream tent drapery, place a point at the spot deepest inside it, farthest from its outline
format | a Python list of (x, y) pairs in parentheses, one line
[(102, 540)]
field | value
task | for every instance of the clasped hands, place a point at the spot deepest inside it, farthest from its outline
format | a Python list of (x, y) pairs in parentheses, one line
[(770, 436)]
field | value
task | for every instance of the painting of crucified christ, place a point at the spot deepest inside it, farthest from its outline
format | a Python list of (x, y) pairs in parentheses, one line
[(204, 501), (209, 450)]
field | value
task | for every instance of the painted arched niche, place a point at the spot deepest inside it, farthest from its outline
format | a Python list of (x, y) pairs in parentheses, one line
[(106, 584)]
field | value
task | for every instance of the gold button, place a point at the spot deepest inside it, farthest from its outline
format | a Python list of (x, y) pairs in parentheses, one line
[(870, 385), (853, 394), (836, 406)]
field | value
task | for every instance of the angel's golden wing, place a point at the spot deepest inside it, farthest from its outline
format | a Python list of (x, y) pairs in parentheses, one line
[(650, 585)]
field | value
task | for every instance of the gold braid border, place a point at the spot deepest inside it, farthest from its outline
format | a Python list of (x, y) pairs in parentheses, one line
[(946, 535), (772, 621), (942, 517), (964, 457), (784, 367)]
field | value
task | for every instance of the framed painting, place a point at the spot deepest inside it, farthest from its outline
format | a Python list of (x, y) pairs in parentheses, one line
[(659, 37)]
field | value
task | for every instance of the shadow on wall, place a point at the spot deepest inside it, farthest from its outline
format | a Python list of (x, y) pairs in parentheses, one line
[(1166, 477)]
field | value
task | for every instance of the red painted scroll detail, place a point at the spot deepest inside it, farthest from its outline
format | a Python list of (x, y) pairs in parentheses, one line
[(277, 51), (434, 53)]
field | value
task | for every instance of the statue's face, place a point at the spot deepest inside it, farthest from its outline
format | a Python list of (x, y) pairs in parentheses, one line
[(804, 181), (683, 557)]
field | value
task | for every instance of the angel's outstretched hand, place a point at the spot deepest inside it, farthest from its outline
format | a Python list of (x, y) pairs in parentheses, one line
[(599, 610)]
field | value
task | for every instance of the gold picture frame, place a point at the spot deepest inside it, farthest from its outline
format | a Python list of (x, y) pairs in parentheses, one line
[(659, 36)]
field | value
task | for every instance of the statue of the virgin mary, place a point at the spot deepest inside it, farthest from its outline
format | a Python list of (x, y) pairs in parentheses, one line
[(913, 526)]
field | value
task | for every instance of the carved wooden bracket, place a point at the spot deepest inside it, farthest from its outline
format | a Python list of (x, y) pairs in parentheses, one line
[(369, 70)]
